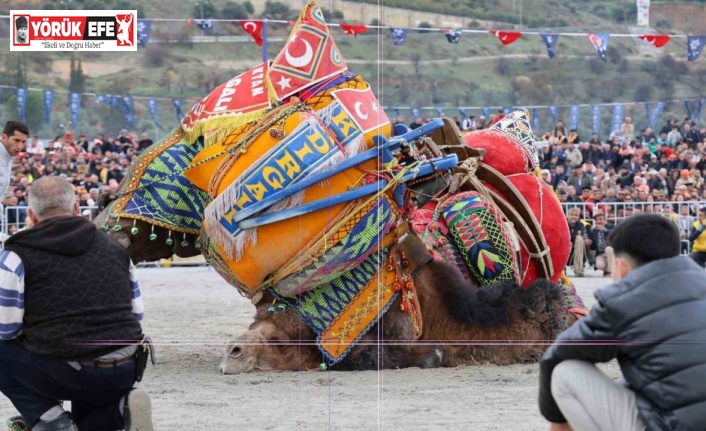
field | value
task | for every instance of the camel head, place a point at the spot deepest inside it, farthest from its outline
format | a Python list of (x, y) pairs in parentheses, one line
[(275, 341), (137, 236)]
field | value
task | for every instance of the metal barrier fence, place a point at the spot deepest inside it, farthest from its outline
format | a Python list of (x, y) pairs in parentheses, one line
[(616, 211), (682, 213)]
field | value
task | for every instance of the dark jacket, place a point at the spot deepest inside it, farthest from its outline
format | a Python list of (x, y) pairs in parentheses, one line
[(599, 239), (579, 183), (654, 322), (78, 293)]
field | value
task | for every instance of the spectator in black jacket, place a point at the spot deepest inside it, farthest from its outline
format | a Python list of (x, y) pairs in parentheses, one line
[(653, 321), (626, 177), (600, 253), (595, 153)]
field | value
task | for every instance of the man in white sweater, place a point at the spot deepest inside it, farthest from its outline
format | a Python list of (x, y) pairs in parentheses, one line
[(14, 141)]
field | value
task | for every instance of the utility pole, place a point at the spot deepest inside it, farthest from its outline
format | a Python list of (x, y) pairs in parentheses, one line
[(521, 13), (200, 5)]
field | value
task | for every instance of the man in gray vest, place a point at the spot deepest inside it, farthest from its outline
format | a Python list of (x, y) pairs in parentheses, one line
[(70, 309)]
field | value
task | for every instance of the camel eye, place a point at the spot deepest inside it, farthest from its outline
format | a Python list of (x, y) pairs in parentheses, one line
[(277, 342)]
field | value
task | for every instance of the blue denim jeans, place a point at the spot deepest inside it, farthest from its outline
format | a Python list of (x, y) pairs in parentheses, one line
[(34, 384)]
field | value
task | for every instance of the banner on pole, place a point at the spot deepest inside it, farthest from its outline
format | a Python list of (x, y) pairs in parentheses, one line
[(21, 95), (75, 109), (48, 104), (597, 119)]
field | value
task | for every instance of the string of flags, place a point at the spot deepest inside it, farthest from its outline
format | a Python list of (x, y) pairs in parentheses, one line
[(257, 30)]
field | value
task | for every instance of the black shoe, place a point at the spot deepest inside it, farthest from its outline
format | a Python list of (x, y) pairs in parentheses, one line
[(63, 422)]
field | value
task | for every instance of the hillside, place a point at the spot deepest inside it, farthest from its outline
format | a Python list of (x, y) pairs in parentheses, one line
[(529, 13), (427, 71)]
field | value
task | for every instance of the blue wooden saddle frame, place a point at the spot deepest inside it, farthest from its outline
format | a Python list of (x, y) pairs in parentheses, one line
[(248, 218)]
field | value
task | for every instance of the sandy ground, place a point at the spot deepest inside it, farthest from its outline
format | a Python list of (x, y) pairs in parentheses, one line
[(191, 312)]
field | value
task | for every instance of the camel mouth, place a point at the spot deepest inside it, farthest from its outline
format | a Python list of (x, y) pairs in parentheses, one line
[(236, 361), (230, 367)]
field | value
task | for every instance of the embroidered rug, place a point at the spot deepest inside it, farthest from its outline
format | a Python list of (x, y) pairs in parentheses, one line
[(433, 232), (156, 191), (349, 252), (477, 232), (344, 310)]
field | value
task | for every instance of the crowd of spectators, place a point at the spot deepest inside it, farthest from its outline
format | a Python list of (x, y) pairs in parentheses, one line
[(92, 166), (627, 173)]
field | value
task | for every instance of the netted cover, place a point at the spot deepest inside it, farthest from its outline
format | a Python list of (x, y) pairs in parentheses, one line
[(479, 234)]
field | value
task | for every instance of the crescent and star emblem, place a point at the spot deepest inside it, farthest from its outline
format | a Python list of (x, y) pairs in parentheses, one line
[(250, 26), (302, 60), (358, 111)]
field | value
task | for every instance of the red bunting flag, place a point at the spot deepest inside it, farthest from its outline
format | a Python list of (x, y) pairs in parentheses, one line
[(658, 40), (506, 37), (354, 29), (254, 29)]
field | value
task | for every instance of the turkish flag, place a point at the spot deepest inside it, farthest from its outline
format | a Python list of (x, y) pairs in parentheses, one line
[(309, 57), (363, 107), (658, 40), (354, 29), (506, 37), (254, 29)]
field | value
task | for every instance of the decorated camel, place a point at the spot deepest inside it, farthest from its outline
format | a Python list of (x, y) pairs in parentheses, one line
[(349, 236)]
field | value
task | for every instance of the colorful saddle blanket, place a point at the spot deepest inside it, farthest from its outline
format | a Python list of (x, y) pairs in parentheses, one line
[(156, 191), (467, 230)]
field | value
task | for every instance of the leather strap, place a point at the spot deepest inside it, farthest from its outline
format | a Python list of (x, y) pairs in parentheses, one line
[(107, 364)]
